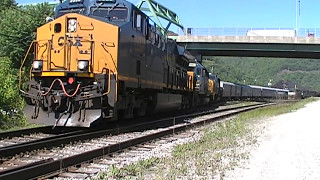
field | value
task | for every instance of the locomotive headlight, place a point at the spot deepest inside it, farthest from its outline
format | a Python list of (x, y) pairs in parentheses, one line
[(83, 65), (37, 65), (72, 25)]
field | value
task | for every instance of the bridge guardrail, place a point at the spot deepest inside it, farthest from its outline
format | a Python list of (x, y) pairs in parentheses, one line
[(302, 32)]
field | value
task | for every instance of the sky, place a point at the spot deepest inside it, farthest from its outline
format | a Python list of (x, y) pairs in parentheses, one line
[(239, 13)]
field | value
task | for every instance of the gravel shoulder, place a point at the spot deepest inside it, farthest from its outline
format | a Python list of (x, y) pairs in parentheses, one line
[(289, 148)]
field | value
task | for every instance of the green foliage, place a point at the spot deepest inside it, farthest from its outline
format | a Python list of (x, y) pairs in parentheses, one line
[(114, 171), (5, 4), (18, 28), (10, 102), (18, 25), (128, 171), (259, 71)]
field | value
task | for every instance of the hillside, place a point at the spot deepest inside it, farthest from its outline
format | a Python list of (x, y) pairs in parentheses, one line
[(260, 71)]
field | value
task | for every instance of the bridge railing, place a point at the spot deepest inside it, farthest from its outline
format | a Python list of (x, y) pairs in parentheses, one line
[(302, 32)]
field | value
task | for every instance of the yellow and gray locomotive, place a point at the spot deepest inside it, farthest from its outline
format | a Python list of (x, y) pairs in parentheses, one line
[(103, 59)]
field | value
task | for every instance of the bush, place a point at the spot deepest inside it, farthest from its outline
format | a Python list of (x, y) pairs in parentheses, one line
[(11, 104)]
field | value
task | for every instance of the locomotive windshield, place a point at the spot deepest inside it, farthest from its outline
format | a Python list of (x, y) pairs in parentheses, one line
[(66, 11), (111, 13)]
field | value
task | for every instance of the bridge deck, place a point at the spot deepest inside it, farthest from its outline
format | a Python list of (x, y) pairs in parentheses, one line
[(250, 39), (285, 47)]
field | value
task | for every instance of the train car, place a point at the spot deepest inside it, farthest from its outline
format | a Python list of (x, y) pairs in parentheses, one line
[(229, 90), (232, 91), (246, 92), (301, 94), (282, 93), (256, 92), (102, 60), (215, 90), (238, 91), (211, 88), (268, 93), (260, 92), (202, 92)]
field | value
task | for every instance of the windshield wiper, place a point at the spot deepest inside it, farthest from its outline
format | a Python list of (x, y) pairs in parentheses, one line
[(112, 8), (97, 7)]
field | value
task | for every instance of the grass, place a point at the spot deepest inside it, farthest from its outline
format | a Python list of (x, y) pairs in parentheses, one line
[(128, 171), (275, 110), (27, 126), (223, 147)]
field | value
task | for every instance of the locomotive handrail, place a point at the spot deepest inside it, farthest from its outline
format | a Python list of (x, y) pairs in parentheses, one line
[(22, 65), (49, 55), (92, 47), (109, 74), (109, 83)]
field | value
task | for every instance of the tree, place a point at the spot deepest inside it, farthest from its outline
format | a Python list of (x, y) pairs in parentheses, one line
[(18, 28), (10, 102), (5, 4)]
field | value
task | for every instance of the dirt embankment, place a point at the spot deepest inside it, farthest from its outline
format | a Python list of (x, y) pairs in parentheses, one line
[(288, 149)]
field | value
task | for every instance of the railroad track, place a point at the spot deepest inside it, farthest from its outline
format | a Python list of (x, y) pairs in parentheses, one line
[(64, 159), (16, 142)]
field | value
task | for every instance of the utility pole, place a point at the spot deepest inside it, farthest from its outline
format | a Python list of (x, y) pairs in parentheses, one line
[(297, 17)]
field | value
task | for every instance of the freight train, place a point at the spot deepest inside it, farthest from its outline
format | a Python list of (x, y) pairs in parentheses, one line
[(102, 60), (232, 91)]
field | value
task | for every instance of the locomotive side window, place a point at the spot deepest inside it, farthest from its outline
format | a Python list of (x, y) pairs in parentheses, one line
[(204, 73), (198, 71), (163, 45), (57, 28), (153, 35), (148, 35), (143, 25), (159, 41), (138, 22), (146, 27), (156, 39)]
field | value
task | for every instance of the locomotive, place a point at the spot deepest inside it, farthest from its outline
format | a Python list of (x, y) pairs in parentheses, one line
[(105, 60)]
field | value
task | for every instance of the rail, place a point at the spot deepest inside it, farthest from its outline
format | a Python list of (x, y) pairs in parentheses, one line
[(175, 125)]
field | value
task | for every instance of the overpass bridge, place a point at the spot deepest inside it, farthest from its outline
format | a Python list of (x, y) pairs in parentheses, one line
[(299, 46)]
